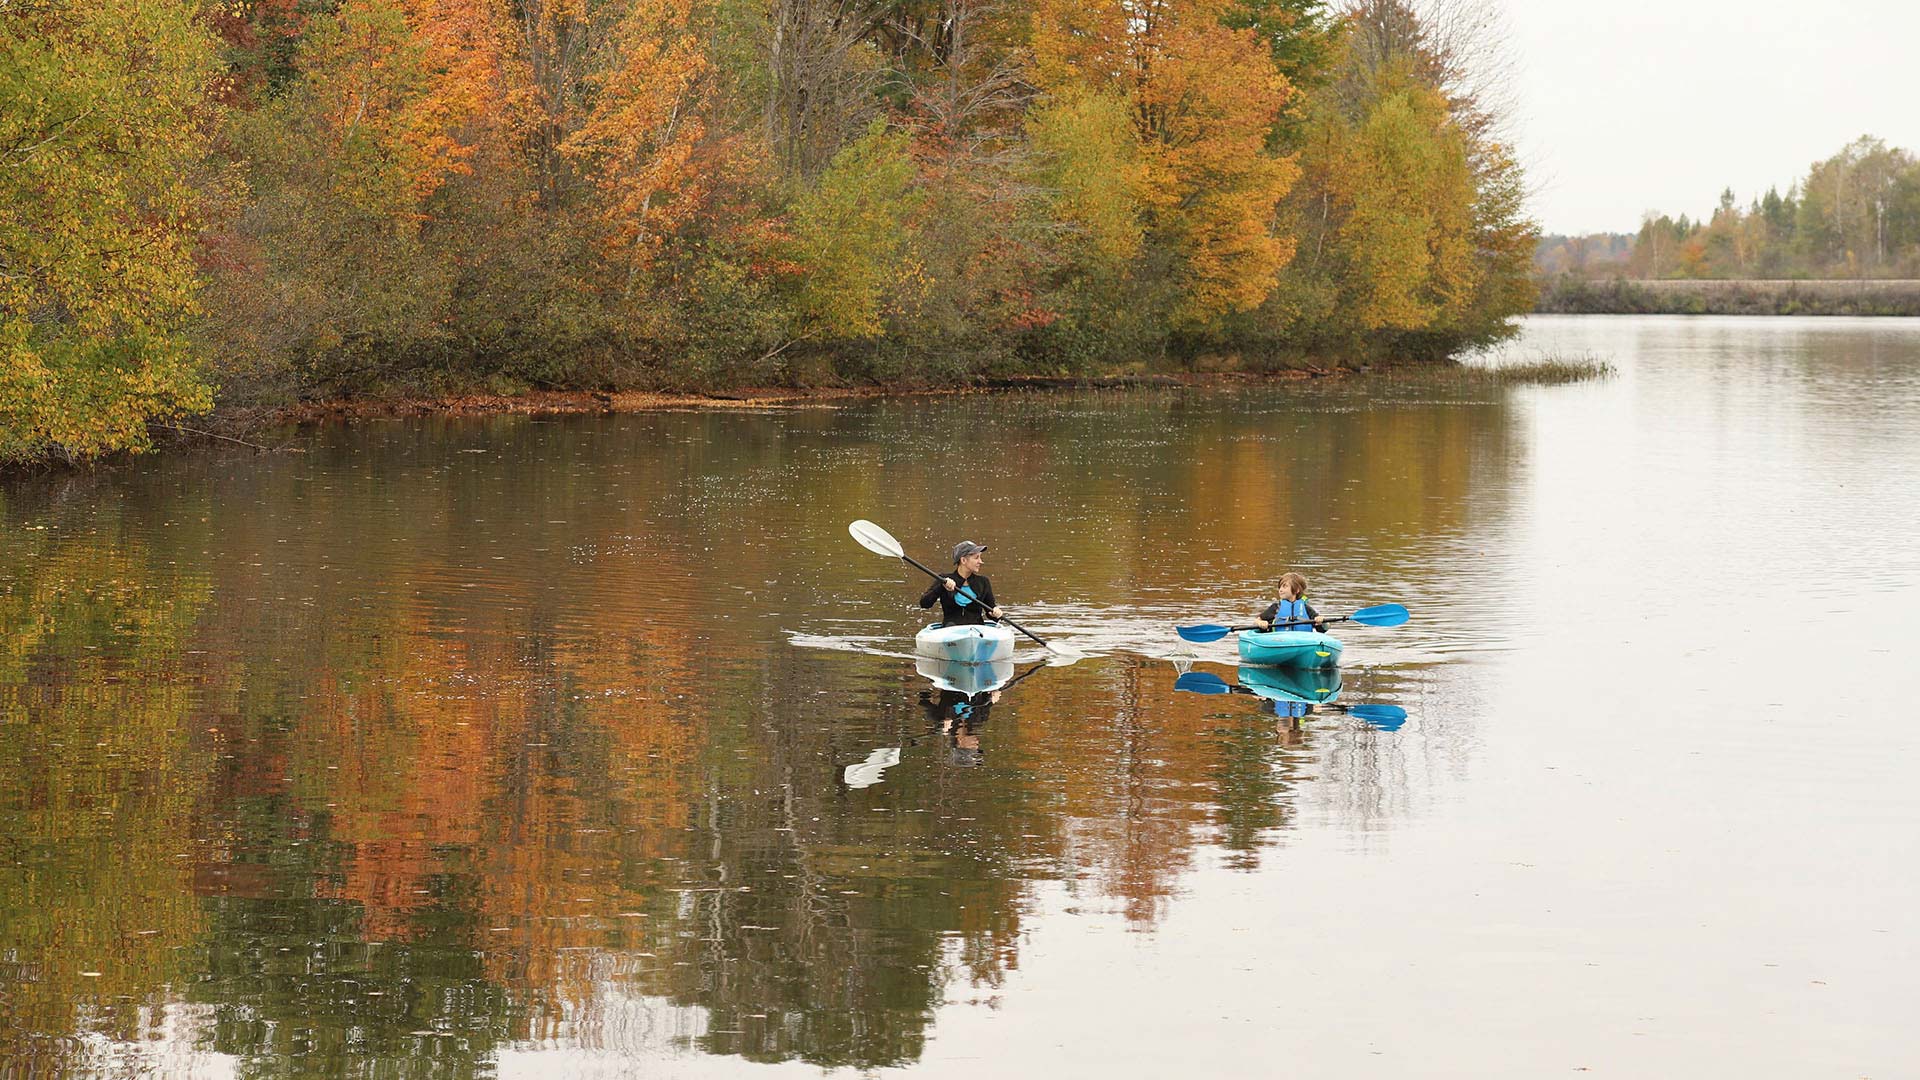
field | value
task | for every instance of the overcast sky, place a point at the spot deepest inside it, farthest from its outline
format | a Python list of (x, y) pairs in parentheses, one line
[(1635, 105)]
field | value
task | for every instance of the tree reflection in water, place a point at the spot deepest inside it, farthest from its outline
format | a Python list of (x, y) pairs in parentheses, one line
[(393, 755)]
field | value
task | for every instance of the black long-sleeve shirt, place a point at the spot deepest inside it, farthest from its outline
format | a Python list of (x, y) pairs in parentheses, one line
[(951, 611)]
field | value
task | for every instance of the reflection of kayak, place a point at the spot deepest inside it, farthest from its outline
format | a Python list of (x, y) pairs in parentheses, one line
[(971, 644), (1294, 692), (965, 678), (1289, 648), (1306, 686)]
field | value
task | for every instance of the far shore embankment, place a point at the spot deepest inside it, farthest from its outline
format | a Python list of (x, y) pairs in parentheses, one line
[(563, 402), (1622, 296), (265, 427)]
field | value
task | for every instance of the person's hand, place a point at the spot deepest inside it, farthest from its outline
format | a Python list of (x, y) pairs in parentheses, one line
[(994, 613), (1265, 625), (949, 583)]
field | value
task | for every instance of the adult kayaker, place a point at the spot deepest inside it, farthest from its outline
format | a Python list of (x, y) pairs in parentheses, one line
[(1291, 611), (968, 558)]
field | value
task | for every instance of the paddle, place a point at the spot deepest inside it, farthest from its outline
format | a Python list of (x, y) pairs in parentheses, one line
[(881, 542), (1384, 717), (1378, 615)]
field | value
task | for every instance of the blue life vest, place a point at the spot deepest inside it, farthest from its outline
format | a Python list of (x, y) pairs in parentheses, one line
[(1291, 609)]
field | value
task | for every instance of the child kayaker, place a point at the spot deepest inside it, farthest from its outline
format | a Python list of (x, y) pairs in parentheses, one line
[(1291, 611), (968, 558)]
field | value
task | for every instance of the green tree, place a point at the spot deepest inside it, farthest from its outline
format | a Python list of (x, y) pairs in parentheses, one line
[(1304, 38), (1400, 180), (850, 233), (104, 110), (1088, 164)]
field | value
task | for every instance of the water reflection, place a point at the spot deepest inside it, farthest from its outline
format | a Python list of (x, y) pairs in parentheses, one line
[(452, 738), (1293, 694), (956, 710)]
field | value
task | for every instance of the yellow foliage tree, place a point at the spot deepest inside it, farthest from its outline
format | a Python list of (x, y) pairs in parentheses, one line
[(101, 129), (850, 236), (389, 92), (1089, 161), (1400, 182), (1204, 99)]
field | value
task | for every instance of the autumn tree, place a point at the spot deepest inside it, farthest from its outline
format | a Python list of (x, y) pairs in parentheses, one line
[(1204, 98), (102, 134), (346, 165), (1399, 185), (1848, 204), (850, 233), (640, 136), (1412, 215), (1089, 165)]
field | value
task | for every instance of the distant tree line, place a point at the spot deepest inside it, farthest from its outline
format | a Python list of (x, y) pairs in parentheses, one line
[(272, 200), (1854, 215)]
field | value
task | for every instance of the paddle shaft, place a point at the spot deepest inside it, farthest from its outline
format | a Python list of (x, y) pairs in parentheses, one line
[(915, 563), (1289, 622), (1311, 622)]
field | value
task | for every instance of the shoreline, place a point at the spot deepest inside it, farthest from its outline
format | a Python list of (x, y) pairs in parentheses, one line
[(1884, 297), (243, 425), (253, 426), (602, 402)]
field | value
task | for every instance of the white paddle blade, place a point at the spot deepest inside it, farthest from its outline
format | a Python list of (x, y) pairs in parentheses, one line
[(1059, 655), (875, 539)]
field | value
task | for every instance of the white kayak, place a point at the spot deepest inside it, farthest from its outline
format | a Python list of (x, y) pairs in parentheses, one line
[(967, 644)]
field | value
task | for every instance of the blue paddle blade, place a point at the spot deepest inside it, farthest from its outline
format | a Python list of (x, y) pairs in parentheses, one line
[(1203, 632), (1384, 717), (1381, 615), (1200, 682)]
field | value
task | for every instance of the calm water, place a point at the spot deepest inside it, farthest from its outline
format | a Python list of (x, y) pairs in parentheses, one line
[(521, 747)]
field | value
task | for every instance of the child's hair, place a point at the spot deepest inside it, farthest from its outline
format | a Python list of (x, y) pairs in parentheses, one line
[(1293, 584)]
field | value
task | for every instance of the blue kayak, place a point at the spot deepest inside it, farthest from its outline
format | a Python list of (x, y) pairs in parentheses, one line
[(1289, 648)]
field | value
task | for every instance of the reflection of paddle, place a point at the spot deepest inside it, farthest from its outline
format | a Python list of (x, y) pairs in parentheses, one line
[(1384, 717), (881, 542), (1010, 682), (1378, 615), (867, 773)]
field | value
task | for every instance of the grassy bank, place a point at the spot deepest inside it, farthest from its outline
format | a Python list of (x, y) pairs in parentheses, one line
[(1569, 296)]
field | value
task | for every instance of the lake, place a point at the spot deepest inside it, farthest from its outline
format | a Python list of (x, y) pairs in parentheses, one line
[(594, 746)]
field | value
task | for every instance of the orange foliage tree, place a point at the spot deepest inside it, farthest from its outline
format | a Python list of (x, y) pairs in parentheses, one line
[(1204, 99), (639, 141)]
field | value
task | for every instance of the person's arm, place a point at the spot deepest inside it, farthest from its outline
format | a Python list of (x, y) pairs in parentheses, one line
[(1265, 618), (1313, 617), (985, 595), (932, 595)]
